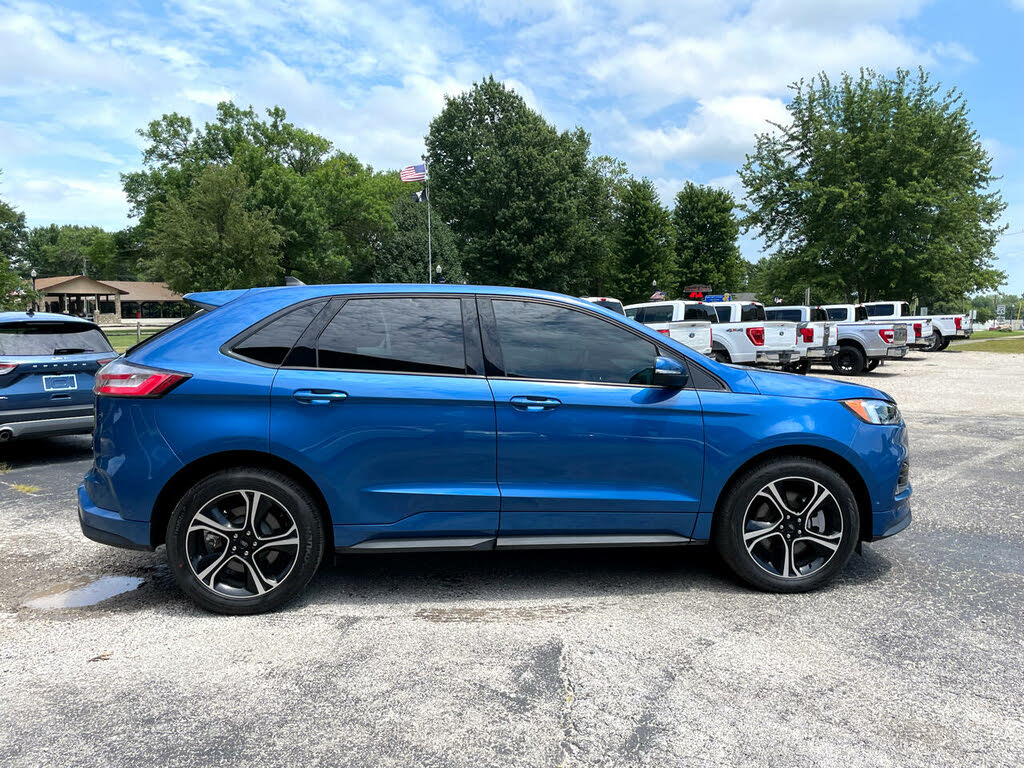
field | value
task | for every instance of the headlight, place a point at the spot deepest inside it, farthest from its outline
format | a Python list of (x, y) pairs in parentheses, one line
[(875, 411)]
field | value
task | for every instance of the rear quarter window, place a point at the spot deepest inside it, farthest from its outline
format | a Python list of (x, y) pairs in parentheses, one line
[(271, 343)]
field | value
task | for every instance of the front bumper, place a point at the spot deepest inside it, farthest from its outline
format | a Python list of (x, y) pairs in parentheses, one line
[(109, 527), (893, 520)]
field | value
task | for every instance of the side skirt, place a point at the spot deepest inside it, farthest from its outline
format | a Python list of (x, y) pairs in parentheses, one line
[(554, 541)]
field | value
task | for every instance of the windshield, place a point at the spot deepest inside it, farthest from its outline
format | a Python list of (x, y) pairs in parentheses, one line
[(51, 338)]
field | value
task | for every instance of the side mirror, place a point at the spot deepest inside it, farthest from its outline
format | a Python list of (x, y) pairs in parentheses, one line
[(670, 373)]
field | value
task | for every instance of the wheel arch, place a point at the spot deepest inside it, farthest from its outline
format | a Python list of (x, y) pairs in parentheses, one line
[(853, 343), (193, 472), (833, 460)]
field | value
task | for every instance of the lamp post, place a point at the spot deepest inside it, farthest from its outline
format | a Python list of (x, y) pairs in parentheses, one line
[(439, 278), (33, 274)]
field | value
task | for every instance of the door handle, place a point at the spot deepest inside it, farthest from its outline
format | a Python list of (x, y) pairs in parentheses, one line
[(532, 403), (319, 396)]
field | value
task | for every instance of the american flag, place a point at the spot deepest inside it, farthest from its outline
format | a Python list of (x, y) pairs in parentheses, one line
[(414, 173), (657, 296)]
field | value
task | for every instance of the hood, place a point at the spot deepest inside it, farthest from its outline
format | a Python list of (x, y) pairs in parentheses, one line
[(794, 385)]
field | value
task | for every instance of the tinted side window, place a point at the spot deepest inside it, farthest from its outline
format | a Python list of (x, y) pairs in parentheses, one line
[(395, 335), (633, 313), (271, 343), (723, 313), (836, 313), (818, 315), (543, 341), (659, 314), (860, 313), (878, 310), (905, 310), (751, 313)]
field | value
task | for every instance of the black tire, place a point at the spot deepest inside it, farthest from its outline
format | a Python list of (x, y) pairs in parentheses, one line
[(721, 356), (872, 364), (945, 343), (277, 549), (937, 343), (801, 367), (804, 560), (850, 361)]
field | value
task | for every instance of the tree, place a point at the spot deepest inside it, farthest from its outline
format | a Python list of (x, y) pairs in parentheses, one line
[(70, 249), (643, 246), (15, 293), (877, 185), (706, 230), (401, 257), (519, 196), (213, 239)]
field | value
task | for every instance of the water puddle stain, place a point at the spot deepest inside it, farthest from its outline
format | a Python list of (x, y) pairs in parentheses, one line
[(81, 592)]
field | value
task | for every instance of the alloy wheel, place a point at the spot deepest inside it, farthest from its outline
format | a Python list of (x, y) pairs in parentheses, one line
[(242, 544), (792, 527)]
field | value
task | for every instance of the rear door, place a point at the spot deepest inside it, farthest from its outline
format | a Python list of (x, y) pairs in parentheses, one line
[(384, 402), (49, 364), (585, 444)]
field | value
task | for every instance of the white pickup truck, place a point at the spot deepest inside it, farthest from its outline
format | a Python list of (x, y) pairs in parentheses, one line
[(688, 322), (745, 335), (607, 302), (944, 328), (817, 338), (865, 344)]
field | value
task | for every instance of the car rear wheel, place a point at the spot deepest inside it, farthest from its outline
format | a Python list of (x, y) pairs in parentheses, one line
[(850, 361), (936, 343), (721, 356), (788, 525), (802, 367), (872, 364), (245, 541)]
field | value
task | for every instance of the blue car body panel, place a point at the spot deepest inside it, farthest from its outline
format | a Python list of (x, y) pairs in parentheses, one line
[(405, 455)]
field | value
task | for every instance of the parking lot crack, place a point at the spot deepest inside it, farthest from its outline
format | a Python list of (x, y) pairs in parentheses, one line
[(569, 745)]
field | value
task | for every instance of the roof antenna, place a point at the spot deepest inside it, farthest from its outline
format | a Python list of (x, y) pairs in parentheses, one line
[(290, 280)]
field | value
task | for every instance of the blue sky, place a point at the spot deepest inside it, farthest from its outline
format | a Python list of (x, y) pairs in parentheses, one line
[(676, 89)]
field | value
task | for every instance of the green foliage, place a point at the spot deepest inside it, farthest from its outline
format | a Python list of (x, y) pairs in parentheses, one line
[(213, 238), (643, 243), (328, 211), (706, 230), (877, 185), (525, 202), (15, 293), (401, 256)]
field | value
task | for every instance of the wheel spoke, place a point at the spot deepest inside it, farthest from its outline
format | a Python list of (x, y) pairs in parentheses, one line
[(830, 542), (252, 504), (788, 566), (209, 573), (204, 522), (755, 537), (289, 538), (771, 491), (259, 582), (821, 493)]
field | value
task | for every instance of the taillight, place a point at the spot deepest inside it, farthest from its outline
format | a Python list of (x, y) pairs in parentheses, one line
[(756, 336), (6, 368), (957, 320), (887, 334), (807, 333), (917, 330), (663, 330), (105, 360), (124, 379)]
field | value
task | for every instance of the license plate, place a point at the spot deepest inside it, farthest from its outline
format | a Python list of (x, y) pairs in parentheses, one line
[(60, 383)]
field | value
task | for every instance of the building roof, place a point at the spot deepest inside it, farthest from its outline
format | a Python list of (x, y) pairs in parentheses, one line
[(129, 290)]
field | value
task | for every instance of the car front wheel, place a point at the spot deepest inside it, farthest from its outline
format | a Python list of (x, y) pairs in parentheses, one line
[(788, 525), (245, 541)]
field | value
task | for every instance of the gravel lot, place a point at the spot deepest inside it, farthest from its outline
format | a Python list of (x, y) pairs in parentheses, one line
[(617, 658)]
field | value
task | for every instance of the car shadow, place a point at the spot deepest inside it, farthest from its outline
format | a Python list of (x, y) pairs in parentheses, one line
[(45, 450), (447, 586)]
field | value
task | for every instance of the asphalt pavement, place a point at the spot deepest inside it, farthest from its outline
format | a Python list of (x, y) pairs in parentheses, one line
[(914, 657)]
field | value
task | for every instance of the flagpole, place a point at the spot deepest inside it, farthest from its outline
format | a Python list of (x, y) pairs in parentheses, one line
[(430, 255)]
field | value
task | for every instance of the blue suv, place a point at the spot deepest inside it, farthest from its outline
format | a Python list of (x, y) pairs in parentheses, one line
[(47, 364), (283, 423)]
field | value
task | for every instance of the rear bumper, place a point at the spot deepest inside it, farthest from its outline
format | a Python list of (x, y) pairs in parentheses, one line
[(896, 352), (64, 425), (109, 527), (778, 357), (822, 353)]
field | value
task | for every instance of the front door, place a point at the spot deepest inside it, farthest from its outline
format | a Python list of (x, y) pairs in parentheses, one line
[(394, 422), (585, 444)]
